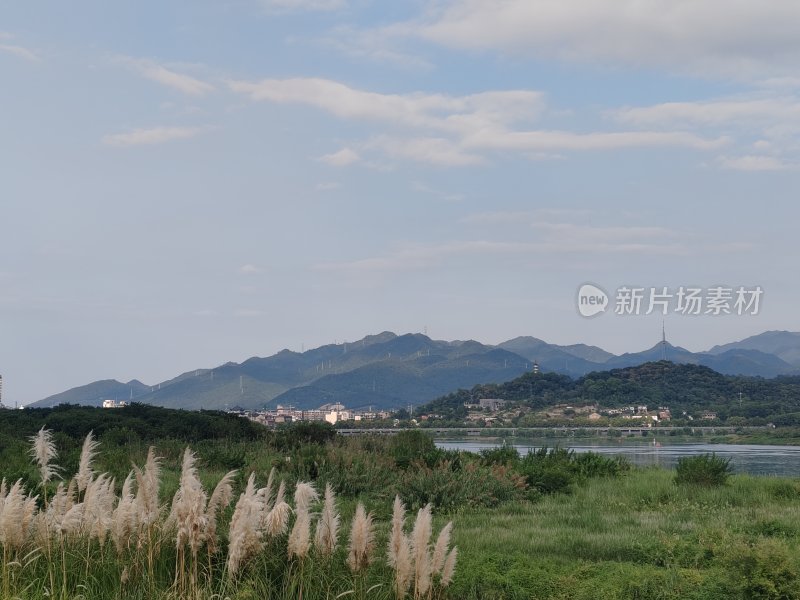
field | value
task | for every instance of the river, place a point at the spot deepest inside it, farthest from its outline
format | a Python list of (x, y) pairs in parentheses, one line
[(745, 458)]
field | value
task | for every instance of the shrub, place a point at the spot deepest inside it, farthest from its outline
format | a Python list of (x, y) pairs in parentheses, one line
[(410, 446), (501, 455), (449, 487), (591, 464), (704, 469), (549, 470)]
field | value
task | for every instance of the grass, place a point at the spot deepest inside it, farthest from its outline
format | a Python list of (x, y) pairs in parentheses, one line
[(93, 540), (641, 536), (605, 532)]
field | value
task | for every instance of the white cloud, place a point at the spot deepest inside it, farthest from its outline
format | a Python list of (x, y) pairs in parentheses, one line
[(767, 122), (327, 186), (455, 114), (729, 38), (167, 77), (424, 256), (525, 217), (424, 188), (302, 5), (376, 45), (19, 52), (566, 140), (549, 238), (155, 135), (249, 312), (740, 111), (341, 158), (754, 163), (249, 269), (467, 127), (434, 151)]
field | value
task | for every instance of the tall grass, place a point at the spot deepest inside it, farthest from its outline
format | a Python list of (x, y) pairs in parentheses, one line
[(93, 538)]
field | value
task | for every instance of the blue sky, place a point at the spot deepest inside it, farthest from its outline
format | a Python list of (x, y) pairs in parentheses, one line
[(188, 183)]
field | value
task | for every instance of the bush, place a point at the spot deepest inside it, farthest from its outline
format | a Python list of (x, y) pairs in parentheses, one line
[(298, 434), (704, 469), (449, 487), (549, 470), (413, 445), (501, 455)]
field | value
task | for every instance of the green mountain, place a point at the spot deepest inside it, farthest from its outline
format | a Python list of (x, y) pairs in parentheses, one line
[(94, 393), (389, 371), (735, 361), (783, 344), (398, 382), (681, 387)]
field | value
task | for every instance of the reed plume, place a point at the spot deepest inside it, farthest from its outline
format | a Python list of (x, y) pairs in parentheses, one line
[(280, 495), (148, 482), (189, 506), (17, 511), (220, 499), (43, 451), (85, 470), (244, 533), (399, 550), (300, 536), (277, 519), (420, 546), (265, 493), (449, 567), (325, 538), (124, 521), (440, 549), (58, 507), (188, 516), (397, 536), (98, 502), (304, 496), (362, 540)]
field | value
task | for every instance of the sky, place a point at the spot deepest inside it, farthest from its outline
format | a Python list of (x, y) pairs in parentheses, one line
[(188, 183)]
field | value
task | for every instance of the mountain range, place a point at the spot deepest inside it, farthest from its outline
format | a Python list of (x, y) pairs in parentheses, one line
[(391, 371)]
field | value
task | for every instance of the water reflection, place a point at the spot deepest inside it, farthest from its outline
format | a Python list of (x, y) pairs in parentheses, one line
[(745, 458)]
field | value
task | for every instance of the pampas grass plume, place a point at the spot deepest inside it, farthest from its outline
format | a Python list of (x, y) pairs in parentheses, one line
[(85, 471), (44, 452), (362, 540), (328, 524), (420, 542)]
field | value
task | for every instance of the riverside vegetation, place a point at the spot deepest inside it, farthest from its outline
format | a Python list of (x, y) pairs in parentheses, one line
[(552, 524)]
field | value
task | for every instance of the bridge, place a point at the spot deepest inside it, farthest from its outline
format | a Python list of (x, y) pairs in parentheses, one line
[(549, 431)]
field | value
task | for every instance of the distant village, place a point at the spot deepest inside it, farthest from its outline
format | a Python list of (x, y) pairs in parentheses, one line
[(330, 413), (495, 411), (485, 412)]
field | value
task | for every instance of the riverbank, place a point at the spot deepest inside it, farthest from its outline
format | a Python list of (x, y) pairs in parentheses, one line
[(639, 536), (782, 436), (549, 524)]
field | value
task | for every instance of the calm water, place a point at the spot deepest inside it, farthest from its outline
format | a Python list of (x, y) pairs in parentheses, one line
[(754, 459)]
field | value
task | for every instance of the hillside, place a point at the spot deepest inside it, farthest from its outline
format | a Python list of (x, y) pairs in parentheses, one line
[(391, 371), (783, 344), (681, 387), (395, 383), (94, 393)]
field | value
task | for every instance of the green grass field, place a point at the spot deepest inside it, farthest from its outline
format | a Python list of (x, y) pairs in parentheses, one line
[(552, 524), (639, 536)]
